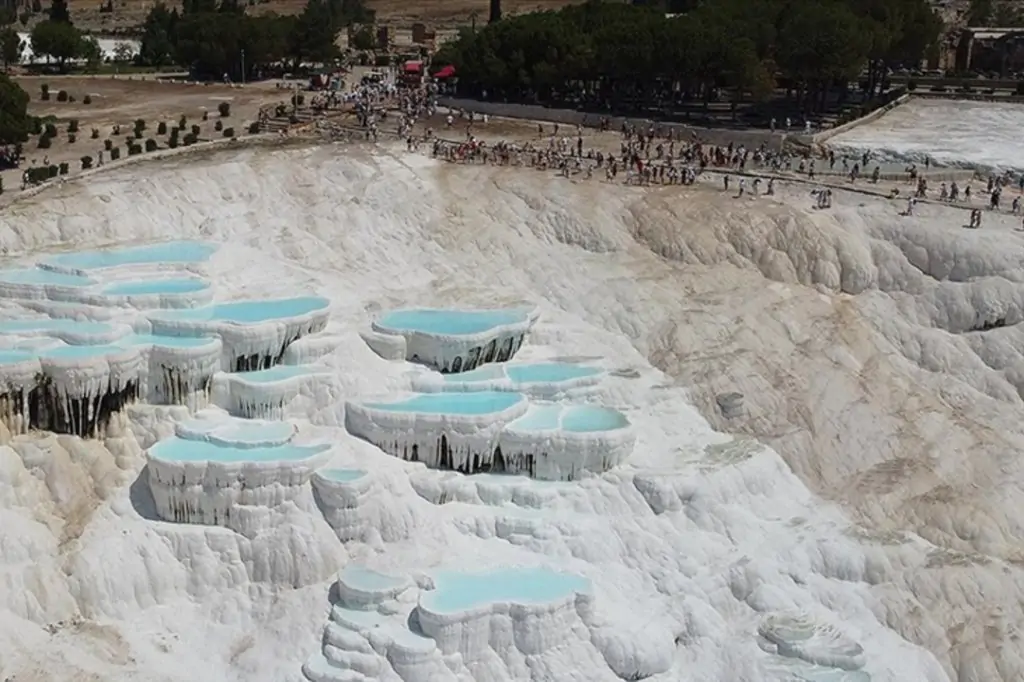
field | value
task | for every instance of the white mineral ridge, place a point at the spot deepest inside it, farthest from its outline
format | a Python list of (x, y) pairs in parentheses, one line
[(889, 506), (970, 134)]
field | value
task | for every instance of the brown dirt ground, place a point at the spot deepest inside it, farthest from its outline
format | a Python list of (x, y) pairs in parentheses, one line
[(397, 13), (122, 101)]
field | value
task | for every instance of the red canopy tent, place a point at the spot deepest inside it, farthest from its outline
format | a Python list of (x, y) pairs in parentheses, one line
[(413, 67), (445, 72)]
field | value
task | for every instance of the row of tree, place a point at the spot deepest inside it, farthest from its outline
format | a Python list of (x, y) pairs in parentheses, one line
[(608, 53), (214, 39)]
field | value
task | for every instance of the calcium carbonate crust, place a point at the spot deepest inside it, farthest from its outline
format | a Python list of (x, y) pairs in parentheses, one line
[(432, 382), (560, 455), (456, 353)]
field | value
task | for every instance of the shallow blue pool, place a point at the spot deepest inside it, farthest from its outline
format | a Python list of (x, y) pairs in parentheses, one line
[(14, 357), (548, 372), (185, 285), (166, 341), (46, 324), (167, 252), (184, 450), (279, 373), (539, 418), (454, 592), (251, 312), (240, 431), (341, 475), (80, 352), (40, 277), (484, 402), (582, 418), (362, 578), (448, 322)]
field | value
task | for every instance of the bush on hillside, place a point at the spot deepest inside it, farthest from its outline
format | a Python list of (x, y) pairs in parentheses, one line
[(229, 132), (73, 125), (224, 108), (151, 145), (218, 126), (87, 99), (86, 162), (50, 130), (62, 96), (195, 130), (161, 128), (63, 168), (44, 142), (108, 144), (115, 153), (254, 128), (95, 134), (45, 90), (72, 138)]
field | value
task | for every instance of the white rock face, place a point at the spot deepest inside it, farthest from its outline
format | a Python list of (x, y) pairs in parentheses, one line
[(451, 340), (266, 394), (886, 504), (231, 474), (549, 380)]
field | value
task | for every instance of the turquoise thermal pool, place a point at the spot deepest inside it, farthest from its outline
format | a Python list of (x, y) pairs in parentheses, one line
[(249, 312), (70, 353), (570, 418), (180, 252), (187, 450), (448, 322), (341, 475), (238, 432), (454, 592), (167, 341), (483, 402), (46, 324), (366, 580), (14, 357), (152, 287), (41, 277)]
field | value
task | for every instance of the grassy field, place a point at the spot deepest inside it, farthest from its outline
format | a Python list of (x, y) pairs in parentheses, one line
[(400, 13)]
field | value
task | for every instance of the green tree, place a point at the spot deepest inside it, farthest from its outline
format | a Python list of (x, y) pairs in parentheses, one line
[(15, 123), (11, 46), (57, 40), (159, 34), (59, 12), (89, 50)]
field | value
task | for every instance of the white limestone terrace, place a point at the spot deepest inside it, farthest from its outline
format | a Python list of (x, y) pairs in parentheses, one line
[(230, 472), (886, 505), (535, 379), (454, 340), (449, 625), (810, 649), (495, 431), (950, 133), (267, 393)]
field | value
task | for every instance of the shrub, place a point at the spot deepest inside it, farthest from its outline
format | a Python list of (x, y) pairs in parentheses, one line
[(140, 124), (151, 145), (191, 138), (63, 169), (182, 122), (73, 125), (224, 108), (116, 130), (161, 128), (87, 99), (229, 132), (45, 90), (293, 119), (95, 134), (72, 138), (1, 185), (206, 115), (195, 130), (37, 125), (44, 142), (52, 170), (108, 144), (172, 142), (86, 162), (115, 153), (134, 149), (218, 126), (50, 130), (138, 134), (298, 100), (254, 128), (281, 110), (71, 98), (62, 96)]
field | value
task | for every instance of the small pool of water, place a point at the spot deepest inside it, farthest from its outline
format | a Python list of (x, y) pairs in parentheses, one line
[(251, 312), (484, 402), (167, 252), (185, 285), (582, 418), (552, 372), (279, 373), (341, 475), (14, 357), (167, 341), (366, 580), (47, 324), (539, 418), (40, 277), (185, 450), (236, 431), (448, 322), (80, 352), (454, 592)]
